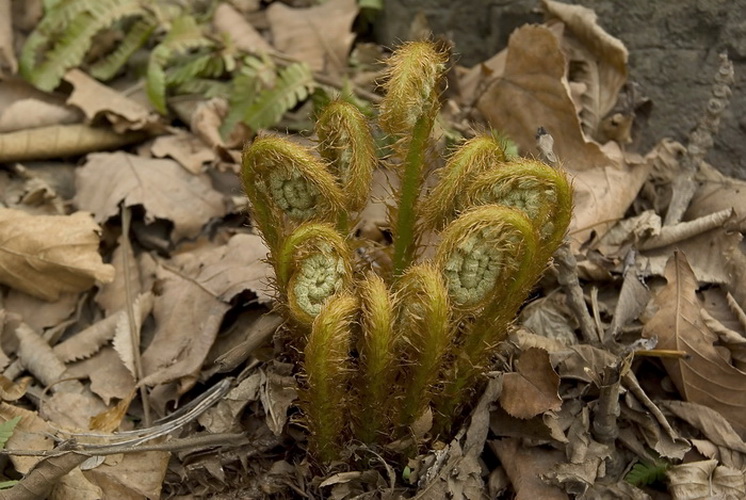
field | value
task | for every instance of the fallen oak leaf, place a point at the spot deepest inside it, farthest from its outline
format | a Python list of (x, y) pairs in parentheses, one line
[(706, 377), (46, 255)]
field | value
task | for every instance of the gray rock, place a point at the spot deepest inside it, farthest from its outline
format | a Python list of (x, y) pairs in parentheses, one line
[(673, 49)]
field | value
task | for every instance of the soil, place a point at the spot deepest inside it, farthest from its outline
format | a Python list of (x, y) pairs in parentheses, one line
[(673, 53)]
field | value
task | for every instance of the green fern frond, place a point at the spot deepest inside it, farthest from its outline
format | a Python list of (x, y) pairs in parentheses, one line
[(294, 84), (644, 473), (6, 430), (201, 66), (136, 36), (185, 35), (204, 87), (69, 29)]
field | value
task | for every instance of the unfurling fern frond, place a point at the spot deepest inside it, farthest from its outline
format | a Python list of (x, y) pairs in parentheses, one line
[(293, 85)]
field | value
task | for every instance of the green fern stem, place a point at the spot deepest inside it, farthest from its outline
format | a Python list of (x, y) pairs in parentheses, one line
[(378, 357), (405, 242), (327, 360)]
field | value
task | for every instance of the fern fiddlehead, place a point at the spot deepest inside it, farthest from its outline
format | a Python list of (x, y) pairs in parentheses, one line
[(327, 367), (424, 318), (313, 264), (486, 256), (346, 142), (378, 359), (287, 184), (407, 113)]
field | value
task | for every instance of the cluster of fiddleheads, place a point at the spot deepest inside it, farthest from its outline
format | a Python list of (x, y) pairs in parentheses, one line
[(381, 353)]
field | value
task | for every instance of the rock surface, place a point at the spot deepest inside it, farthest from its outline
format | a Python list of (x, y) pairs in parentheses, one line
[(673, 50)]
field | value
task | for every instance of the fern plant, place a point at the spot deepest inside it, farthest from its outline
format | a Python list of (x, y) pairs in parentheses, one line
[(184, 58), (381, 351)]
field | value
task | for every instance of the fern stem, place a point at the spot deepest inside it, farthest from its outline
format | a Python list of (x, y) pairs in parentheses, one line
[(404, 232)]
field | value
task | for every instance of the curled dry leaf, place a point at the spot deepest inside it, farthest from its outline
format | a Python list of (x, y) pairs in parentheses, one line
[(165, 189), (23, 106), (245, 37), (705, 479), (598, 59), (46, 255), (706, 378), (94, 98), (59, 141), (533, 388)]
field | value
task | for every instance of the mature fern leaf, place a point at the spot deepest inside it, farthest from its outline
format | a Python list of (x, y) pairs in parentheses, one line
[(204, 87), (185, 35), (69, 28), (136, 36), (294, 83), (201, 66)]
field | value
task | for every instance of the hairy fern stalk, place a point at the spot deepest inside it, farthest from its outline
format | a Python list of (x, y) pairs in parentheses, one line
[(385, 354)]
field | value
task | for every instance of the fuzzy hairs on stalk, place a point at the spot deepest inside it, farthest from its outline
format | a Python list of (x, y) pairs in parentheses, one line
[(286, 184), (424, 318), (407, 113), (487, 258), (327, 369), (379, 356), (345, 141)]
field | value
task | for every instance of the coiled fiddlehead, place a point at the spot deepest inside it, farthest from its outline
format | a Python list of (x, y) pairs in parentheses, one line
[(327, 369), (346, 142), (313, 264), (541, 192), (286, 183), (447, 200)]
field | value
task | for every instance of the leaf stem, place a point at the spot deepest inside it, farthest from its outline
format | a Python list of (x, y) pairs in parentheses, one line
[(405, 239)]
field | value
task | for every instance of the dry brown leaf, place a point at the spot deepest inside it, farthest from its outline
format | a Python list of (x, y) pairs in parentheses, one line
[(22, 106), (71, 410), (165, 189), (532, 388), (706, 378), (705, 479), (94, 99), (47, 255), (40, 314), (59, 141), (110, 420), (223, 417), (533, 93), (277, 395), (8, 62), (245, 37), (197, 288), (111, 297), (320, 36), (31, 433), (134, 475), (550, 317), (524, 466), (185, 148), (88, 341), (141, 308), (107, 373), (708, 421), (599, 61), (716, 192), (13, 391), (47, 475)]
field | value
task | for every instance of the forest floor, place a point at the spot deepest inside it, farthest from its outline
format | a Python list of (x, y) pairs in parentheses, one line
[(137, 323)]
